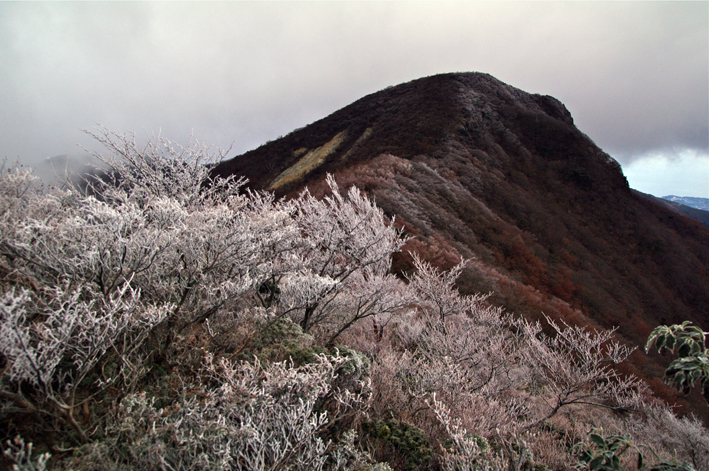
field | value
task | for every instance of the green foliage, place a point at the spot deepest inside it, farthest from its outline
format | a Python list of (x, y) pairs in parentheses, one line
[(407, 440), (687, 339), (683, 373), (603, 454), (692, 366), (281, 339), (356, 366)]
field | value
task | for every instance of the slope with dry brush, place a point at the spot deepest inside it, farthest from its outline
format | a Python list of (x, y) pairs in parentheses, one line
[(474, 168)]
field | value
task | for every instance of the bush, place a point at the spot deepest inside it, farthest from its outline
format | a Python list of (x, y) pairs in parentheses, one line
[(399, 442), (159, 318), (232, 416), (692, 366), (110, 287)]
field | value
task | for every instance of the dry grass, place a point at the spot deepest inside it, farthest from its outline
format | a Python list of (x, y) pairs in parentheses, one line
[(308, 162)]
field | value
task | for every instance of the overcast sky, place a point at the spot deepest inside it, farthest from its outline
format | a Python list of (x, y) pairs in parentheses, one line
[(634, 75)]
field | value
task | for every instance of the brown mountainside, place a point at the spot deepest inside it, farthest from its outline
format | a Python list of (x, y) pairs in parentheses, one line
[(699, 215), (475, 168)]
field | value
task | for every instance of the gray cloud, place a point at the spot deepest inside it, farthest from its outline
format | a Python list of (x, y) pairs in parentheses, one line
[(634, 75)]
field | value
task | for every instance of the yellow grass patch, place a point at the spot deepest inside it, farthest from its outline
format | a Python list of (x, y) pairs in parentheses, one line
[(308, 162)]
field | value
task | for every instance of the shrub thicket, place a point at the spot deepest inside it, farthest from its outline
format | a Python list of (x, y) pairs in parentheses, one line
[(158, 318)]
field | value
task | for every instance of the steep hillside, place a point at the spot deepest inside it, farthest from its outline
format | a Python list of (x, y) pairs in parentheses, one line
[(475, 168), (679, 205)]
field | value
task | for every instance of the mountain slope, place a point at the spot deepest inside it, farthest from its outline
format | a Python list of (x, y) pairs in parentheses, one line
[(692, 212), (475, 168)]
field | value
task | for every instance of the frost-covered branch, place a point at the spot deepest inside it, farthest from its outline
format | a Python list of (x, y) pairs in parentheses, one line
[(576, 367), (265, 417)]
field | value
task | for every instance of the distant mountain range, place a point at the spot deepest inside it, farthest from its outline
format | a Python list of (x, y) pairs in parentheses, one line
[(692, 202), (474, 168)]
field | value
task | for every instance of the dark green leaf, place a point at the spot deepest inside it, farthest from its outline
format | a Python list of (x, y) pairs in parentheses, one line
[(616, 463), (668, 342), (596, 463), (684, 350), (615, 445), (598, 440)]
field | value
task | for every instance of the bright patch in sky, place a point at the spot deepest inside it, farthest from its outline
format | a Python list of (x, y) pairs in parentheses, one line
[(685, 174)]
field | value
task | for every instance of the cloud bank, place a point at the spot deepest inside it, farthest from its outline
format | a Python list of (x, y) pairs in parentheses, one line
[(634, 75)]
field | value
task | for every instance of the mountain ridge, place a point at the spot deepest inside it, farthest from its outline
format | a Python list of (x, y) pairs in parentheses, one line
[(693, 212), (691, 201), (475, 168), (451, 100)]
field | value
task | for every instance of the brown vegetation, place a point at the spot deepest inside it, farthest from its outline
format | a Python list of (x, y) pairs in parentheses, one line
[(474, 168), (175, 324)]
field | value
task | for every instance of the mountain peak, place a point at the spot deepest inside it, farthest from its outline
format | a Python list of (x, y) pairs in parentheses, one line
[(474, 168), (428, 116)]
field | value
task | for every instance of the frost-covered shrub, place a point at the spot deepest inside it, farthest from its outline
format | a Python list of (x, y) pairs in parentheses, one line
[(105, 284), (159, 318), (21, 455), (468, 373), (683, 439), (466, 452), (239, 416), (86, 279), (437, 295), (349, 242), (575, 366)]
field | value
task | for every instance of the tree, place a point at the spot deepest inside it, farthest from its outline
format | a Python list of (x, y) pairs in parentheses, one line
[(349, 241), (692, 366), (576, 367), (154, 249)]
